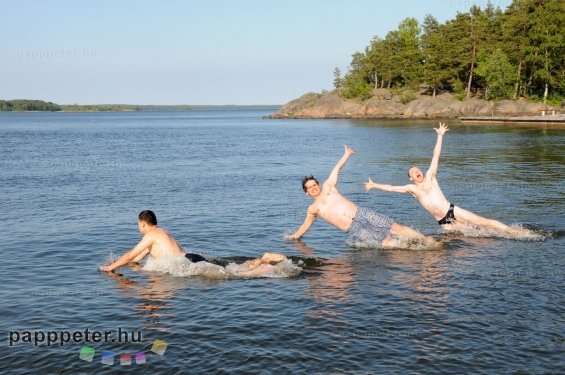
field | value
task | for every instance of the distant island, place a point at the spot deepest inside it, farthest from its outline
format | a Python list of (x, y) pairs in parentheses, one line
[(483, 62), (27, 105), (24, 105)]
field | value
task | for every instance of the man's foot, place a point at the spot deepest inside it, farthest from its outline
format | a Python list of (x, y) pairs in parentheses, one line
[(272, 258), (432, 243)]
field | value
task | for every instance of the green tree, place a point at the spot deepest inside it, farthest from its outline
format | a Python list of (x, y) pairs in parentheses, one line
[(338, 82), (547, 43), (435, 70), (515, 36), (381, 57), (356, 82), (529, 36), (499, 75), (409, 57)]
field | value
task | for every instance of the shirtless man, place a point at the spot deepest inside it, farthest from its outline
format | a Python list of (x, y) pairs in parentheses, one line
[(363, 226), (159, 244), (426, 190)]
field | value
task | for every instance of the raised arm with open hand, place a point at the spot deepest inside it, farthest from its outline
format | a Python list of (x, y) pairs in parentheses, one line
[(441, 130), (332, 179)]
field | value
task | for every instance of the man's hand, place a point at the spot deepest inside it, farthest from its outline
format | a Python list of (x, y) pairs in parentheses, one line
[(348, 150), (104, 269), (369, 185), (442, 129), (289, 236)]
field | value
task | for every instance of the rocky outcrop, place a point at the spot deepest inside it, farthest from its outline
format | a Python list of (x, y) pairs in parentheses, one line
[(385, 105)]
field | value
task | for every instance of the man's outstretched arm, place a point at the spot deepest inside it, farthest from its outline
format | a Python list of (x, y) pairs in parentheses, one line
[(134, 254), (332, 179), (437, 149), (395, 189), (301, 231), (142, 255)]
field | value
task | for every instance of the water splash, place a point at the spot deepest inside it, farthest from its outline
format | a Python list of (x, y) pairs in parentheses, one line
[(182, 267), (111, 258), (518, 232), (404, 243), (288, 236), (286, 268)]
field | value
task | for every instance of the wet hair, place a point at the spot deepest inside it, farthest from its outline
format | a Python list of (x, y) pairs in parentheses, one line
[(306, 179), (148, 217)]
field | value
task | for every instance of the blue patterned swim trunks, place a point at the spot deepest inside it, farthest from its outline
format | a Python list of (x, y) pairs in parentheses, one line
[(368, 229)]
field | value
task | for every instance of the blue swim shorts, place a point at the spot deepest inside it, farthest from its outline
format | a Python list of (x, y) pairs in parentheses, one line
[(368, 229)]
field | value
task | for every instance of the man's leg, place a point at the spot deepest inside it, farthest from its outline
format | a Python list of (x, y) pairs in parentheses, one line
[(406, 233), (402, 230), (256, 271), (272, 257), (467, 217), (267, 258)]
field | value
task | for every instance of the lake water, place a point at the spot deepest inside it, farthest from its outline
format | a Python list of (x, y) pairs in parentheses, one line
[(227, 183)]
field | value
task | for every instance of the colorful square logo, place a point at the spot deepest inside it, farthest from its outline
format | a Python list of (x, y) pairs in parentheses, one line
[(125, 359), (159, 347), (86, 353), (107, 358), (140, 359)]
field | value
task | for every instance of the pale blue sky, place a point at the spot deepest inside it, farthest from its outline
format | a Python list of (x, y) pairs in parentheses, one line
[(191, 52)]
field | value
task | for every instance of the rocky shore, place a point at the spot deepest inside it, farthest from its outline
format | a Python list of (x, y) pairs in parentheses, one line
[(384, 104)]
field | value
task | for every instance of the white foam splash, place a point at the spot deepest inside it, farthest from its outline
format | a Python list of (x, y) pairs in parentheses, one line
[(518, 232), (401, 243), (111, 258), (182, 267), (282, 269), (288, 236)]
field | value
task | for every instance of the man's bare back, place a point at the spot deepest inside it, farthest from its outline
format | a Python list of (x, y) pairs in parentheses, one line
[(156, 242), (163, 244)]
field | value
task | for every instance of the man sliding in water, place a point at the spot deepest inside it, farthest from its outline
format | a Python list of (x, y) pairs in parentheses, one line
[(159, 244), (365, 227), (426, 190)]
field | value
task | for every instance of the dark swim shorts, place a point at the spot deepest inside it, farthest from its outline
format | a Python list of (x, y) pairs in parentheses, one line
[(195, 258), (449, 218)]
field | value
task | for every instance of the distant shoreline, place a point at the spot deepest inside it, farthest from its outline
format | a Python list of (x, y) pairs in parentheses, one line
[(25, 105), (157, 108)]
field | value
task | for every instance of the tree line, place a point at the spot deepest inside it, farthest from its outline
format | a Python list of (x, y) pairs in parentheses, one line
[(489, 53), (22, 105)]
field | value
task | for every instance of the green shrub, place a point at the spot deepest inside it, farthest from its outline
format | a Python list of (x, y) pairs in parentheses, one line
[(407, 98)]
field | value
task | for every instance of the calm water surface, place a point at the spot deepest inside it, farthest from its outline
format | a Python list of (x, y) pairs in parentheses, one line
[(227, 183)]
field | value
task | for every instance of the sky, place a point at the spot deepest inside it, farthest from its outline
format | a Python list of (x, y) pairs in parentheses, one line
[(199, 52)]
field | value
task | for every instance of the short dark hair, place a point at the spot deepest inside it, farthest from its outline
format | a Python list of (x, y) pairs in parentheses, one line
[(148, 217), (306, 179)]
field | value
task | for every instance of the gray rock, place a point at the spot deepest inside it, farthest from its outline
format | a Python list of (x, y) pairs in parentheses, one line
[(384, 105)]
